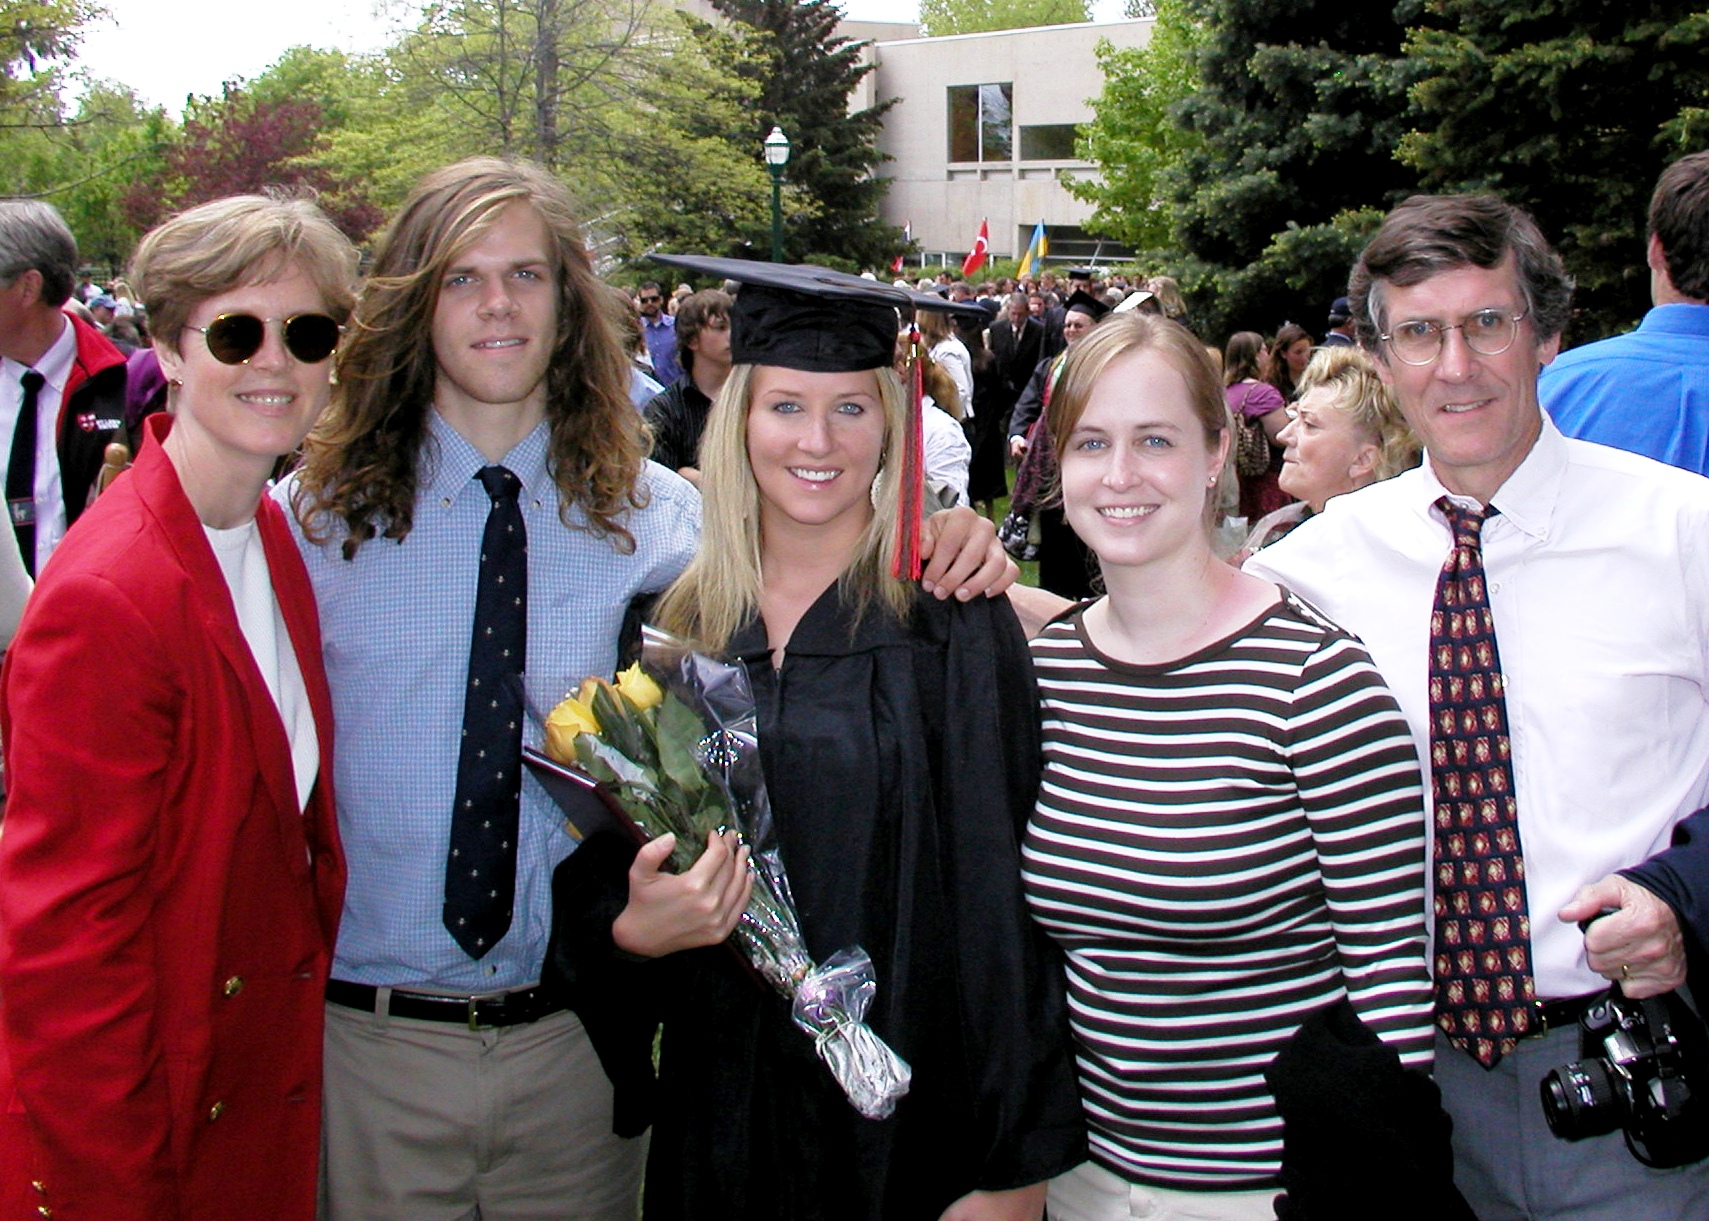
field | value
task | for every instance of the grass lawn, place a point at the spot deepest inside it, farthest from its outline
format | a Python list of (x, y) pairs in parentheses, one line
[(1029, 570)]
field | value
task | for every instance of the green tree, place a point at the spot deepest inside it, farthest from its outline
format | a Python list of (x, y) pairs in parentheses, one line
[(38, 39), (977, 16), (679, 173), (1134, 136), (1297, 111), (1568, 108), (648, 127), (236, 144), (806, 73), (111, 142)]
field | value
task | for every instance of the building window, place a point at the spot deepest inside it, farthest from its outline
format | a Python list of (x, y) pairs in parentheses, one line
[(1049, 142), (979, 123)]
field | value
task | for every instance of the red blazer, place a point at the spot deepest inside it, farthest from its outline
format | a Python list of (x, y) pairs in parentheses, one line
[(166, 914)]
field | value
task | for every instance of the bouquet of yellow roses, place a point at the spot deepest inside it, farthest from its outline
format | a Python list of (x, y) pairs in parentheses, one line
[(673, 745)]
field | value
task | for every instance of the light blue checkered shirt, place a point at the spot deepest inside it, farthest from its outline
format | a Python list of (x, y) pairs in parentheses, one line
[(396, 623)]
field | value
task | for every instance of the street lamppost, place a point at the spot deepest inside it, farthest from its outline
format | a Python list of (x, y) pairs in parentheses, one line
[(776, 157)]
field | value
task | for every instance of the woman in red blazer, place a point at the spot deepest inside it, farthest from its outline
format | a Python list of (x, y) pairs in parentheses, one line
[(170, 873)]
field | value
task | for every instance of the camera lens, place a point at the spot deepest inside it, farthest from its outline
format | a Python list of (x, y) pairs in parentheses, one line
[(1580, 1100)]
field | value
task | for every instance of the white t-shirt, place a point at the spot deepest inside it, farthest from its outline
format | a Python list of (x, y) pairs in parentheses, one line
[(243, 560)]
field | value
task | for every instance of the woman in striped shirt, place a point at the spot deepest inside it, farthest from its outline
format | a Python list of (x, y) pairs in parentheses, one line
[(1229, 834)]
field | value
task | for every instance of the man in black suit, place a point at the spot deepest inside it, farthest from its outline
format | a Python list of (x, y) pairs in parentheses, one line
[(1016, 339)]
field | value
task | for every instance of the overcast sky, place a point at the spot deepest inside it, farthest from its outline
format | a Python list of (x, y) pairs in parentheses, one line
[(166, 49)]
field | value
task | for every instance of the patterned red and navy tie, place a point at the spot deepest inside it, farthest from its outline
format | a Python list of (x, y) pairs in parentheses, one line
[(1484, 986)]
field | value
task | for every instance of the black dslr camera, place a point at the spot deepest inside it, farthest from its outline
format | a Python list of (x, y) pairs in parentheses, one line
[(1645, 1069)]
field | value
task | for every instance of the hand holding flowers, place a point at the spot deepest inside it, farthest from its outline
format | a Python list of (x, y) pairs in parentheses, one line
[(673, 748)]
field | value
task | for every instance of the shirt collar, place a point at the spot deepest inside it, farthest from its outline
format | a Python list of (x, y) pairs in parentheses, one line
[(662, 320), (1680, 318), (451, 462), (1527, 498), (55, 364)]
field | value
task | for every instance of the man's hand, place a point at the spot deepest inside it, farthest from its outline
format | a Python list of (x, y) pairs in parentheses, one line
[(1639, 946), (669, 912), (1020, 1204), (1017, 448), (963, 556)]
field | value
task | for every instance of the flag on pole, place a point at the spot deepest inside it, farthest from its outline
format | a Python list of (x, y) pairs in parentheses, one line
[(981, 247), (1032, 262), (907, 241)]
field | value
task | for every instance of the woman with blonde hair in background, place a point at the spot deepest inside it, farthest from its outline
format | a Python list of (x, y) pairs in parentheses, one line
[(1343, 431)]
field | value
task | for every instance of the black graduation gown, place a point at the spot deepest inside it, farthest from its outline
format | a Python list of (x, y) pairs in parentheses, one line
[(902, 761)]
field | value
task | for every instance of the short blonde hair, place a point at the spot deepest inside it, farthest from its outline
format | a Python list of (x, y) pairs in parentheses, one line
[(244, 239), (1350, 377), (720, 590)]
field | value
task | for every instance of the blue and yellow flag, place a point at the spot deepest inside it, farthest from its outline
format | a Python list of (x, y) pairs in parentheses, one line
[(1032, 262)]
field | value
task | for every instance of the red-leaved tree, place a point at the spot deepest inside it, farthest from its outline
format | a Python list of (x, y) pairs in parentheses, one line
[(235, 145)]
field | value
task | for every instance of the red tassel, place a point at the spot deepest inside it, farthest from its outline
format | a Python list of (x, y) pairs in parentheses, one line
[(911, 486)]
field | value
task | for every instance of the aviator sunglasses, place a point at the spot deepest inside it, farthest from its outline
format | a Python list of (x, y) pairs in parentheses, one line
[(234, 338)]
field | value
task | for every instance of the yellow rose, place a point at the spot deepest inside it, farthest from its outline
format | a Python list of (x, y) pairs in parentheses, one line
[(584, 693), (568, 721), (638, 688)]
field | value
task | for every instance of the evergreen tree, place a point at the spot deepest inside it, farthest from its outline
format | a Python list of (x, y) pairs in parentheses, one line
[(1568, 108), (1298, 110), (806, 73)]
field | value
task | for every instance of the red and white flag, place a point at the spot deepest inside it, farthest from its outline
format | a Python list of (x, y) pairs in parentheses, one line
[(981, 247)]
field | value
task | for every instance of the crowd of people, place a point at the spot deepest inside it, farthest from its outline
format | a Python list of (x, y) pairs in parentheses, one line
[(1270, 884)]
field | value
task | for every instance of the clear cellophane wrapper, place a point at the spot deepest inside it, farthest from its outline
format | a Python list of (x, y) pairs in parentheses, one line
[(828, 1000)]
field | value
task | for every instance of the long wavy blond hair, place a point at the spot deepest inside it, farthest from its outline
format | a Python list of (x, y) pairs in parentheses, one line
[(360, 463), (720, 590)]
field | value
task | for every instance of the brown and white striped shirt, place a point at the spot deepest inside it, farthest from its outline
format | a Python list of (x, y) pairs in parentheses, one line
[(1223, 845)]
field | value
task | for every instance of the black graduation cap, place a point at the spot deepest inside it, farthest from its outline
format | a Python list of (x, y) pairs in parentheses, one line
[(805, 317), (1085, 303), (1082, 273)]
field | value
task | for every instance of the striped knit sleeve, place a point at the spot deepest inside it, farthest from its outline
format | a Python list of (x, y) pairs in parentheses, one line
[(1358, 779)]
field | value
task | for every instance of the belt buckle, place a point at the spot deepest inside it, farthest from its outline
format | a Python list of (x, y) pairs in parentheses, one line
[(1539, 1018), (474, 1013)]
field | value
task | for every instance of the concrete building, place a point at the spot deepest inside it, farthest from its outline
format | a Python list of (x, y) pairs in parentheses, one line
[(984, 128)]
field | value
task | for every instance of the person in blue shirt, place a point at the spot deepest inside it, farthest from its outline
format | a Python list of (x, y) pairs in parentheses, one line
[(1648, 391)]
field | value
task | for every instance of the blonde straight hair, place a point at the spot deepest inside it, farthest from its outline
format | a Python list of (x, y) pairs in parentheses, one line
[(720, 590)]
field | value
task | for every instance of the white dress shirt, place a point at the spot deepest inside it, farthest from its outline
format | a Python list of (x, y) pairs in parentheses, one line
[(55, 368), (1598, 573)]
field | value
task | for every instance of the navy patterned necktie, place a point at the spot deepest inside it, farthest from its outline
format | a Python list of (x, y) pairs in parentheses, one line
[(21, 471), (480, 873), (1484, 986)]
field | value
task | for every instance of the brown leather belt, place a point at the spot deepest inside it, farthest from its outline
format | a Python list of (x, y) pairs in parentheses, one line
[(476, 1012)]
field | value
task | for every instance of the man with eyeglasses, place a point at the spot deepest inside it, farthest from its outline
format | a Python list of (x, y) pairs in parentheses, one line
[(1540, 607), (658, 331), (1648, 391)]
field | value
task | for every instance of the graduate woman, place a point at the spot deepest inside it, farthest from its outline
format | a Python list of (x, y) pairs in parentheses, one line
[(900, 744)]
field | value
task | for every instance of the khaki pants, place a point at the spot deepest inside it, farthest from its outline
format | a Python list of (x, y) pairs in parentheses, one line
[(431, 1121), (1090, 1193)]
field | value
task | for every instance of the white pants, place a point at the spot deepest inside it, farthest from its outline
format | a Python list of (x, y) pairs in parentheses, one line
[(1090, 1193), (432, 1121)]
